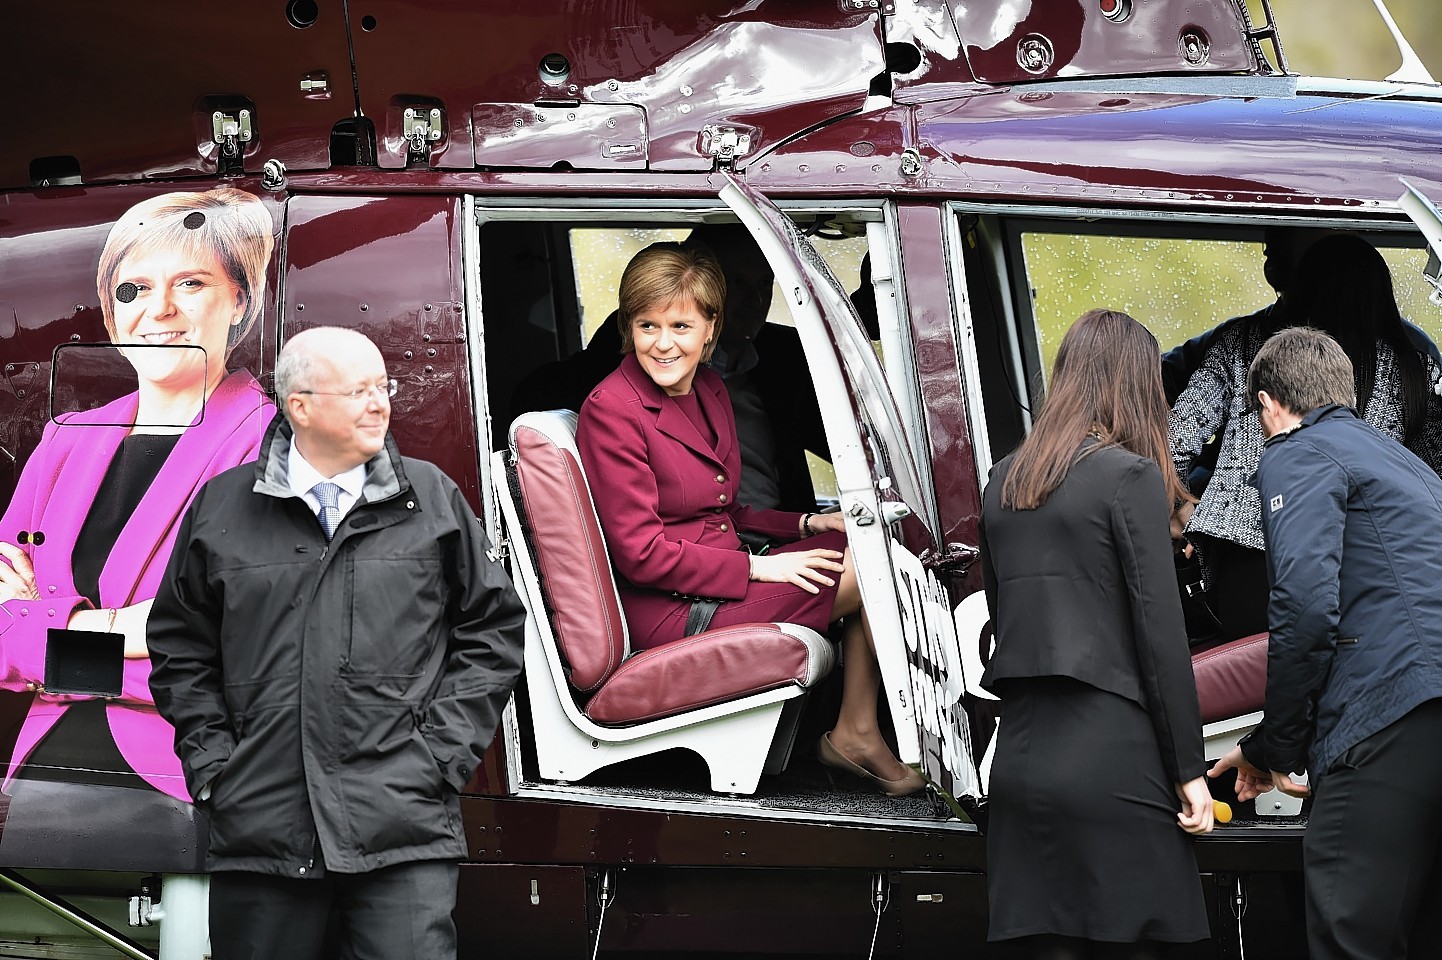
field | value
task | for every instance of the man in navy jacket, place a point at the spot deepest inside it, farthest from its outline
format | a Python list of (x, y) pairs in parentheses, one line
[(1353, 522)]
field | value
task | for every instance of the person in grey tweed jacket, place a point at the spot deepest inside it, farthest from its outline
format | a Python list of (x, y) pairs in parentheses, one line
[(1344, 288)]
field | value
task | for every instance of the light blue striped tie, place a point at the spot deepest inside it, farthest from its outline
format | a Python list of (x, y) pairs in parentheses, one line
[(328, 496)]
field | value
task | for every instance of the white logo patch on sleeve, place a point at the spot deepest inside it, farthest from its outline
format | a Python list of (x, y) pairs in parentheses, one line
[(1276, 503)]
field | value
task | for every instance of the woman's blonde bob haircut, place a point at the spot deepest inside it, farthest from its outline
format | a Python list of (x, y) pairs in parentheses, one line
[(234, 227), (667, 273)]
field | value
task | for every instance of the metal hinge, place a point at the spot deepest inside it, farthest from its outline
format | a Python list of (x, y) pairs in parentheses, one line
[(724, 144), (231, 131), (500, 551), (422, 127), (911, 162), (957, 558)]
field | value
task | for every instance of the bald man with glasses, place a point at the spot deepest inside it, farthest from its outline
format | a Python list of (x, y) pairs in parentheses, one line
[(334, 648)]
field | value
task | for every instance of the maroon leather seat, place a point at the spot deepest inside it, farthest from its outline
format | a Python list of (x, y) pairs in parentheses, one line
[(614, 687), (1231, 678)]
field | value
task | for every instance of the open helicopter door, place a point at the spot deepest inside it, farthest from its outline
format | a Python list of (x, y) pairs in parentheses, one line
[(1428, 218), (884, 503)]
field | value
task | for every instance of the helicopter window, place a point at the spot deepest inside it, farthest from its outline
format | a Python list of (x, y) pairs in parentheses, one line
[(1028, 280), (1177, 288), (599, 255)]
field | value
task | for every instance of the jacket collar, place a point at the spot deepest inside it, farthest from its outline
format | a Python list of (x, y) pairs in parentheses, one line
[(385, 475), (711, 394), (1330, 411)]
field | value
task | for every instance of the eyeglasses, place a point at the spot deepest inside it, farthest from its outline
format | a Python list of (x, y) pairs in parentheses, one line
[(387, 390)]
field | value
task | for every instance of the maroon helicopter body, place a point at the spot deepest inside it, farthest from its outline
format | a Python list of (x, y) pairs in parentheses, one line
[(437, 175)]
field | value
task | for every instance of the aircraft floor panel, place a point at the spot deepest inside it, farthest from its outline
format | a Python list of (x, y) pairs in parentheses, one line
[(676, 777)]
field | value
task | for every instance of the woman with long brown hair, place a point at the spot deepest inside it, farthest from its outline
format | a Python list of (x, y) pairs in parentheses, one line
[(1098, 773)]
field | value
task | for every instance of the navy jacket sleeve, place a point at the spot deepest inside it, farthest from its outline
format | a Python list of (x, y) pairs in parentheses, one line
[(1140, 524), (1304, 511), (1422, 342), (186, 679)]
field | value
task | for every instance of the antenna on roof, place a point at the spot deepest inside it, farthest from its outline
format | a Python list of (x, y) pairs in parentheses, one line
[(1412, 70)]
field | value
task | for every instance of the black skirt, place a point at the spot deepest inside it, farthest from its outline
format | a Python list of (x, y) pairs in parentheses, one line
[(1083, 839)]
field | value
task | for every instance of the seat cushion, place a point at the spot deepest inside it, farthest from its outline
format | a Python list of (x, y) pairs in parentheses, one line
[(570, 551), (711, 667), (1231, 678)]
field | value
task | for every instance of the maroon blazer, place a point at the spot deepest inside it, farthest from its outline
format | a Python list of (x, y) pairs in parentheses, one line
[(667, 498)]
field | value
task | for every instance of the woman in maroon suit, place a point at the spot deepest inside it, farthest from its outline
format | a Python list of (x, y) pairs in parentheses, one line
[(658, 441)]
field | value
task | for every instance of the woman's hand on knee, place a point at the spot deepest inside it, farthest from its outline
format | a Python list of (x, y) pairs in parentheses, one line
[(805, 568)]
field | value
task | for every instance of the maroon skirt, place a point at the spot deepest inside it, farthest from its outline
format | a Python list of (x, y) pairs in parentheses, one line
[(763, 603)]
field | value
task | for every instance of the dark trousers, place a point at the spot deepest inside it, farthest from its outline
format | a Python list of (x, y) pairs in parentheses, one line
[(397, 913), (1239, 589), (1371, 850)]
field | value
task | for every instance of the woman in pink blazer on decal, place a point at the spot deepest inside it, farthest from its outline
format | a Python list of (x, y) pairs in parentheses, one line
[(88, 534), (658, 441)]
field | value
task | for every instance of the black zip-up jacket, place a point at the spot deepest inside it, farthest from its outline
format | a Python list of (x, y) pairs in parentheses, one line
[(336, 697)]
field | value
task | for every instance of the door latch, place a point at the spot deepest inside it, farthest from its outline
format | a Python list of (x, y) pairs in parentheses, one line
[(230, 131), (724, 145), (422, 128)]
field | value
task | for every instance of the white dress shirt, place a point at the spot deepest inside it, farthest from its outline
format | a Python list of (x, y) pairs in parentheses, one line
[(303, 476)]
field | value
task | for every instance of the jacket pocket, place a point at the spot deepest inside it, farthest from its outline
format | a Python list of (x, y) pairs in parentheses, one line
[(263, 602), (396, 604), (390, 765), (259, 789)]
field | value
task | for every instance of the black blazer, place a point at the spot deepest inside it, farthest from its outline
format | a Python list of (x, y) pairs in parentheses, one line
[(1084, 587)]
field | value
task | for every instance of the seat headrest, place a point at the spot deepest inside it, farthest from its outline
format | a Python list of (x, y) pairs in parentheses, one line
[(569, 548), (559, 426)]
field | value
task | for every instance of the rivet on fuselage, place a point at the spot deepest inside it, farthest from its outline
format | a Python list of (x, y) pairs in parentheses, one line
[(1195, 48), (1034, 54)]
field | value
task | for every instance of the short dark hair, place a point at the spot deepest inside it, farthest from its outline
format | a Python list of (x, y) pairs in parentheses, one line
[(668, 272), (1302, 369)]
